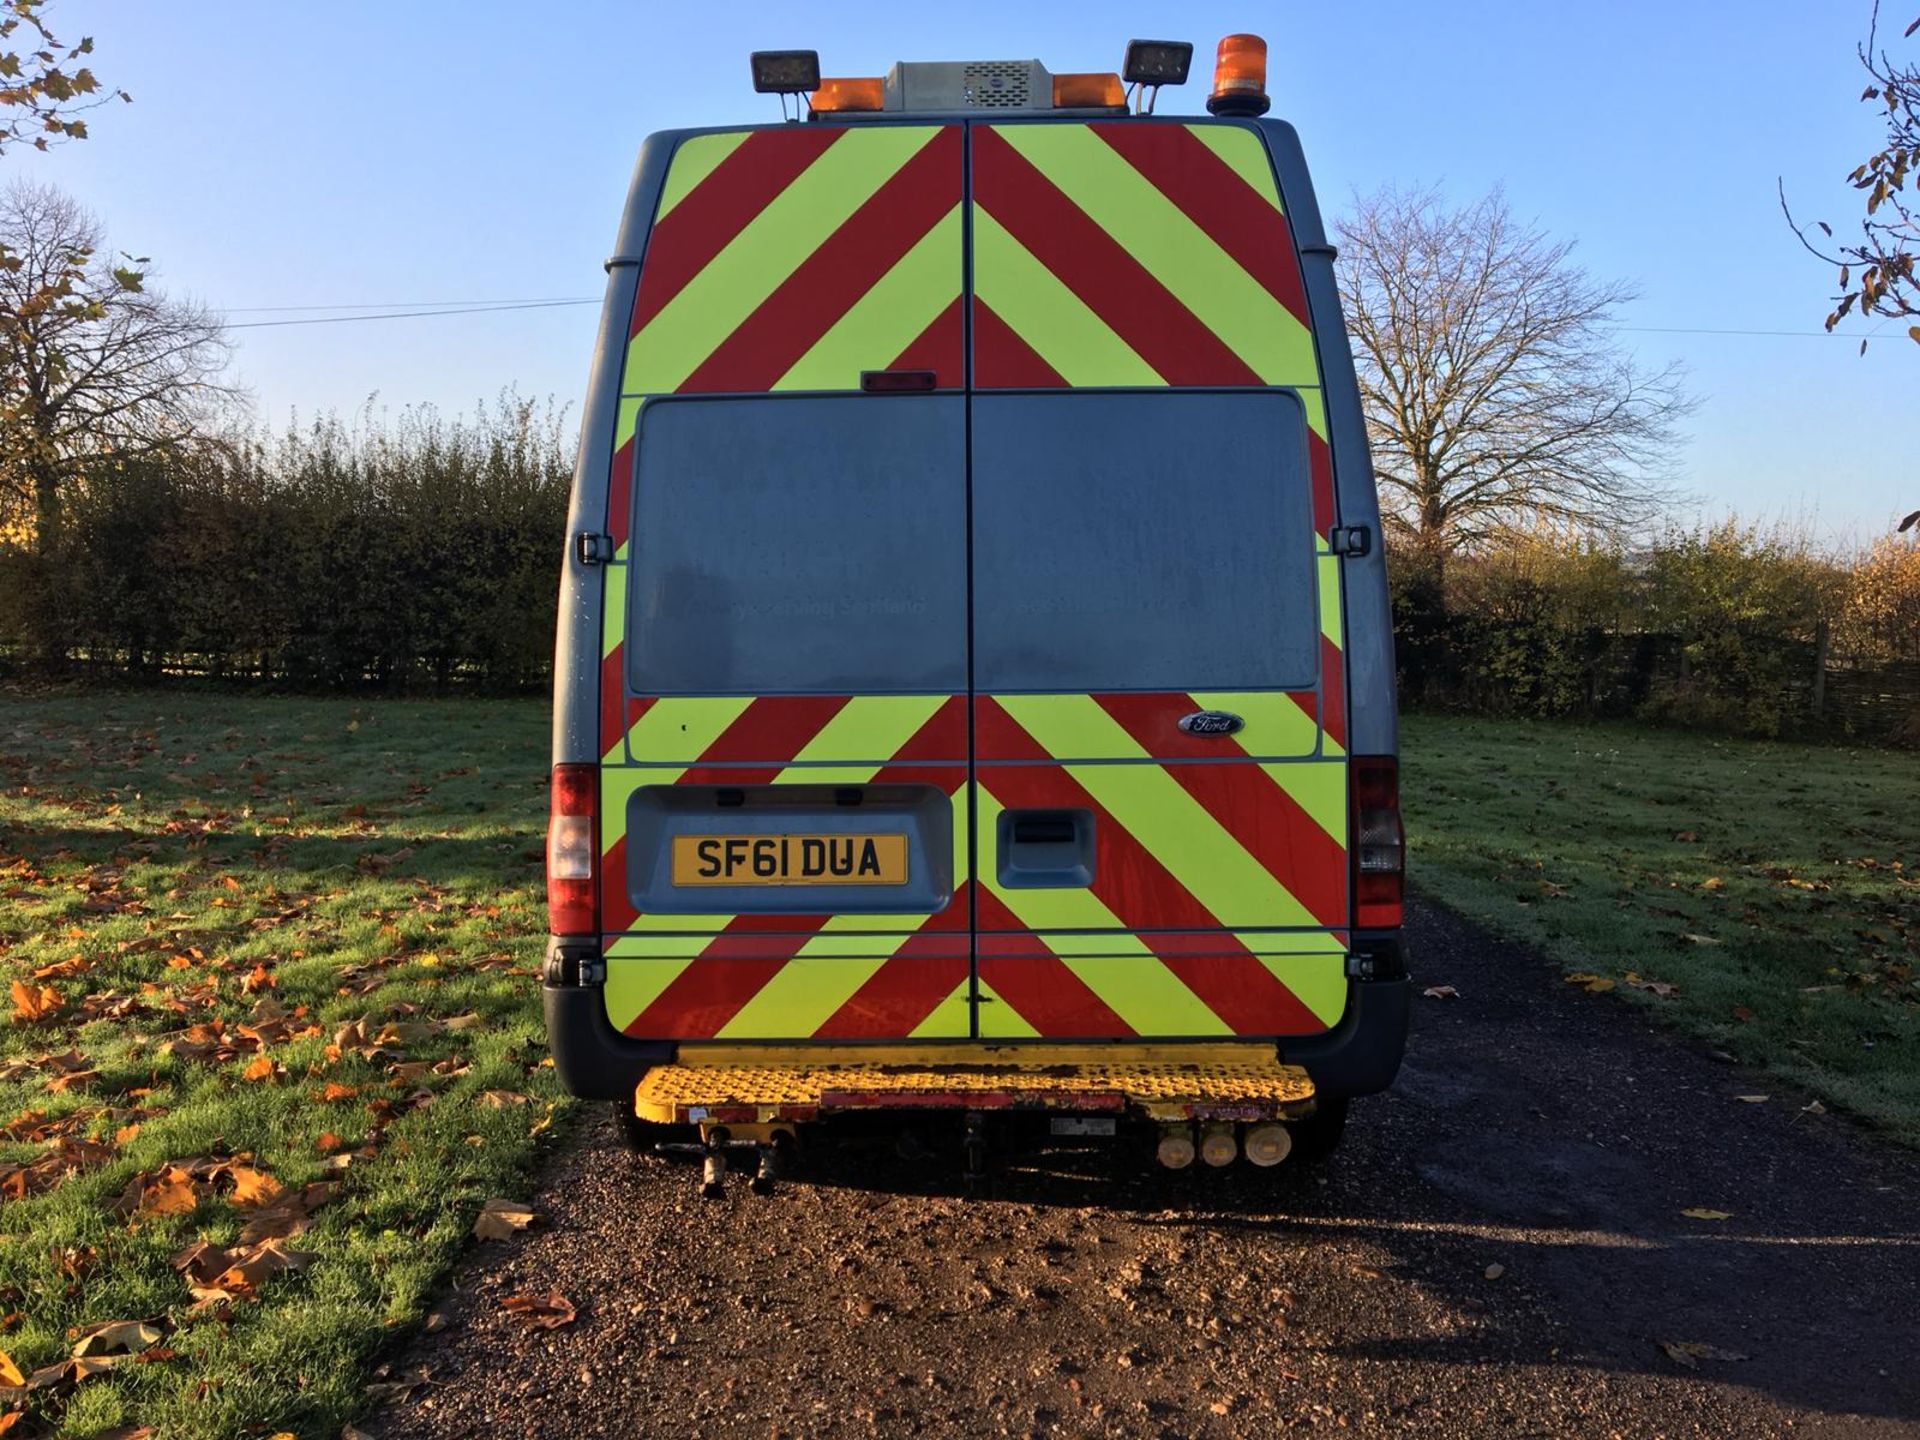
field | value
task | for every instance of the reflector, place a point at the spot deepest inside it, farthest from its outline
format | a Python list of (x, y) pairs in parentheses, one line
[(786, 72), (1157, 62), (1240, 77), (1094, 91), (867, 92)]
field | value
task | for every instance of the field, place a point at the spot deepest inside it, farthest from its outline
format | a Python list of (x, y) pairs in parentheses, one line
[(256, 947), (1764, 897), (272, 992)]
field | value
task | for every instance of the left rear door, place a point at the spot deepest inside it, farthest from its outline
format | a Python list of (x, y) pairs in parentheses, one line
[(785, 645)]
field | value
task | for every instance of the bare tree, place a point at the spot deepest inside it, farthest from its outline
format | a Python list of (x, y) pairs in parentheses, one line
[(1496, 396), (92, 364), (1880, 275)]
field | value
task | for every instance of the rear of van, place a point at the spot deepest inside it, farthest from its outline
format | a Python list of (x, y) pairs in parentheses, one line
[(974, 638)]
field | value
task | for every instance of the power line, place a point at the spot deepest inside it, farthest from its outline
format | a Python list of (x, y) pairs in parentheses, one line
[(407, 304), (1685, 330), (410, 314)]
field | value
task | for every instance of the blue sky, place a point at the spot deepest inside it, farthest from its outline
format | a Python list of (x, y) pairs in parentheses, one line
[(304, 154)]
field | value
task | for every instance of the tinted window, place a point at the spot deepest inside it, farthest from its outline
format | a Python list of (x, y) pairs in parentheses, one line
[(799, 545), (1142, 542)]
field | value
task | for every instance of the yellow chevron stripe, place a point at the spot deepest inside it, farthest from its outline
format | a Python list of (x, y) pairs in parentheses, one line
[(657, 947), (1329, 579), (1062, 330), (1320, 789), (771, 246), (1313, 398), (800, 998), (952, 1016), (888, 318), (632, 987), (1245, 152), (1308, 942), (1320, 982), (683, 728), (693, 160), (999, 1020), (1176, 251), (625, 419), (613, 610), (871, 727), (1142, 991), (1174, 827), (1275, 725)]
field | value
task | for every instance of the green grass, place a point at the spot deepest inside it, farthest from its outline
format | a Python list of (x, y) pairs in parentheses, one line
[(1776, 886), (371, 861)]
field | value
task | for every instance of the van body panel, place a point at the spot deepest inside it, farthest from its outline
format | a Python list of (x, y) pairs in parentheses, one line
[(1077, 864)]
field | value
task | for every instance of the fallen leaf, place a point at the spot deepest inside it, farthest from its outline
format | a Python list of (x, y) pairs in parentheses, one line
[(1813, 1107), (10, 1375), (1653, 987), (1592, 984), (502, 1219), (1495, 1270), (1753, 1099), (1701, 1213), (1687, 837), (549, 1311), (1691, 1352), (501, 1099), (116, 1337), (1693, 939), (1441, 992), (34, 1003), (252, 1187), (1742, 1014)]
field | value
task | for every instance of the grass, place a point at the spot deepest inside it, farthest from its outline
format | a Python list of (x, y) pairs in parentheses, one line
[(1774, 887), (200, 855)]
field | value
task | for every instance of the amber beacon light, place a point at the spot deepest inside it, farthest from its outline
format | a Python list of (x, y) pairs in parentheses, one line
[(1240, 77)]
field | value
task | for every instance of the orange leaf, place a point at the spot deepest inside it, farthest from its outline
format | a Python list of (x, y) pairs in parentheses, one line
[(253, 1187), (32, 1003)]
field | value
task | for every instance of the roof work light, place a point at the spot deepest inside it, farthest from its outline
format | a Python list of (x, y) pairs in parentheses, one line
[(1157, 62), (1240, 77), (786, 72)]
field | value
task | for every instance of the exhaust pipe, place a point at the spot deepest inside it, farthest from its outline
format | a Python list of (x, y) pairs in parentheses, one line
[(1176, 1146), (1268, 1145)]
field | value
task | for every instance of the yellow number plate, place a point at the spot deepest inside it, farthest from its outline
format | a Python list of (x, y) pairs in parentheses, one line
[(789, 859)]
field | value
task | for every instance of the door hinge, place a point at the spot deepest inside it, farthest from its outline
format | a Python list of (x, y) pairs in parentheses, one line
[(592, 549), (1351, 541)]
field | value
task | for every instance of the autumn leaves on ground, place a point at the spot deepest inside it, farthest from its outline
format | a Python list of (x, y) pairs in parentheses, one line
[(275, 1052), (275, 1041)]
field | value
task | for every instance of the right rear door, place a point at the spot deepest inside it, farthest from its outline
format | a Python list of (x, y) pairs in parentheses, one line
[(1149, 516)]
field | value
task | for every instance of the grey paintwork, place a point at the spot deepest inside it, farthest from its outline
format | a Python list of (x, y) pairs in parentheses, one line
[(1372, 719), (1088, 508)]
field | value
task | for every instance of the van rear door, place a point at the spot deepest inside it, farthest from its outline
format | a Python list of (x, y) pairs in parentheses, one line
[(1150, 507)]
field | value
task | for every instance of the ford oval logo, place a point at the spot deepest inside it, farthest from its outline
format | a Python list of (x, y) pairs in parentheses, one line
[(1211, 722)]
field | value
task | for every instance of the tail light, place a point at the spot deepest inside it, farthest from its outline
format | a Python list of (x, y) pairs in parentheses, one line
[(573, 852), (1379, 842)]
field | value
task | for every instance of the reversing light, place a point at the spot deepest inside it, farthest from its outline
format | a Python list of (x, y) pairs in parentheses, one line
[(867, 92), (786, 72), (572, 851), (1157, 62), (1379, 842), (1240, 77), (1098, 91)]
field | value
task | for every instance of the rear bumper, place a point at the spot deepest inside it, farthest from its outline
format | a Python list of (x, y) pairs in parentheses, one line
[(1359, 1056)]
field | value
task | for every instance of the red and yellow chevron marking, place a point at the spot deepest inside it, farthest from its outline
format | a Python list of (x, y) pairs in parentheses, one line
[(768, 976), (1133, 254), (793, 259)]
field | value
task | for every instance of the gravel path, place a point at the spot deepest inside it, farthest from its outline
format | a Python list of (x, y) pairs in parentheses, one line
[(1498, 1249)]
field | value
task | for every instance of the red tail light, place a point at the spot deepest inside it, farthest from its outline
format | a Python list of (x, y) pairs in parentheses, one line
[(1379, 843), (573, 852)]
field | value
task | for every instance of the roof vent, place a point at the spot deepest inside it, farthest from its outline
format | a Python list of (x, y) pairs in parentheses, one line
[(935, 86)]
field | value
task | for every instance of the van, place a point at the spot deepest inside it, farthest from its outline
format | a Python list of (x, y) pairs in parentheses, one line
[(974, 681)]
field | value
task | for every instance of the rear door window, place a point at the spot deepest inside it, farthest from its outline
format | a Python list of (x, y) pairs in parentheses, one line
[(1142, 541), (803, 545)]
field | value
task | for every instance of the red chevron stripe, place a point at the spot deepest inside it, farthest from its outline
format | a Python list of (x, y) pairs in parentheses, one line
[(1098, 269), (845, 267), (722, 205), (941, 348), (1320, 476), (898, 996), (1212, 194), (1040, 988), (1246, 995), (1333, 685), (772, 728), (702, 998), (1153, 719), (1004, 361), (620, 492)]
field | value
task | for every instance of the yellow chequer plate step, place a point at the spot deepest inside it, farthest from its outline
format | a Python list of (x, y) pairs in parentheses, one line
[(757, 1084)]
